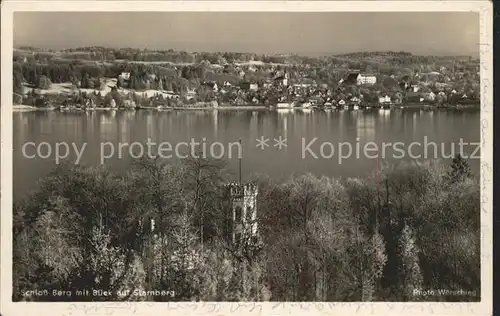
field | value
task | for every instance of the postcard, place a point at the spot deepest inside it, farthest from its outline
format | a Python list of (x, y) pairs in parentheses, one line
[(258, 158)]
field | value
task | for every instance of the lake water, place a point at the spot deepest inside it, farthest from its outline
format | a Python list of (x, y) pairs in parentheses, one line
[(358, 128)]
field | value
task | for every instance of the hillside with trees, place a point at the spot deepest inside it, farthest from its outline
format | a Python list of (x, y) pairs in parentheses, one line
[(187, 74), (360, 239)]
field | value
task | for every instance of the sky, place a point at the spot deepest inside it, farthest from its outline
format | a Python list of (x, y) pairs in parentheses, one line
[(319, 33)]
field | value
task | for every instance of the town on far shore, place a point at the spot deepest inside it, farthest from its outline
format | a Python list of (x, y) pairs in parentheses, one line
[(92, 78)]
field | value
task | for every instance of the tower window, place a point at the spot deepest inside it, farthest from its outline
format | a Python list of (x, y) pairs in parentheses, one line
[(249, 214), (237, 237), (238, 214)]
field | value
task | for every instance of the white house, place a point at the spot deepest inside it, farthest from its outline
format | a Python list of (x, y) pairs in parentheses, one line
[(366, 79), (355, 99), (254, 87), (191, 94), (125, 75), (358, 78), (431, 96), (385, 99), (306, 83), (284, 82), (129, 103)]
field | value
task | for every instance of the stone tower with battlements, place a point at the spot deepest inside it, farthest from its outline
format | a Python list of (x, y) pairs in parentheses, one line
[(243, 212)]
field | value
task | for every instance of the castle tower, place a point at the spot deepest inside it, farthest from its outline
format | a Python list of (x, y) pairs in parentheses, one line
[(243, 198)]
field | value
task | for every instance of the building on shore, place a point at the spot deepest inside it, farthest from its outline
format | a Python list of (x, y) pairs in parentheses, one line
[(384, 100), (357, 78)]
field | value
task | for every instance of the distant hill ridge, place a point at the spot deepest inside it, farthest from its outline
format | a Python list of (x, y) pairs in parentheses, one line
[(92, 49)]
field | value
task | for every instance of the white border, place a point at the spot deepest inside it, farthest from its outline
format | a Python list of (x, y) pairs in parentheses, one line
[(485, 10)]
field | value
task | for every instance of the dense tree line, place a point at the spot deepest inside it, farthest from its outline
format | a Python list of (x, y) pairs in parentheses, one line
[(384, 63), (368, 239), (171, 56), (142, 76), (61, 72)]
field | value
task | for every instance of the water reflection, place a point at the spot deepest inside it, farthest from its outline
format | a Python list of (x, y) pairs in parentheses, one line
[(283, 115), (384, 114), (124, 126), (106, 124), (414, 123), (229, 126), (341, 118), (150, 125), (365, 127), (21, 119), (215, 120)]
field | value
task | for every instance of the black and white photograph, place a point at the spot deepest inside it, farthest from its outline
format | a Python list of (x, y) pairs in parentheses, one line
[(252, 155)]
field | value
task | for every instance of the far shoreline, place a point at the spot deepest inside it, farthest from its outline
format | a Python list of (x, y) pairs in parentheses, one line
[(29, 108)]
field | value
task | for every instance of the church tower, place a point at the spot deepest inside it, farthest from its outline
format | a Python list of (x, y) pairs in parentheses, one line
[(243, 216)]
